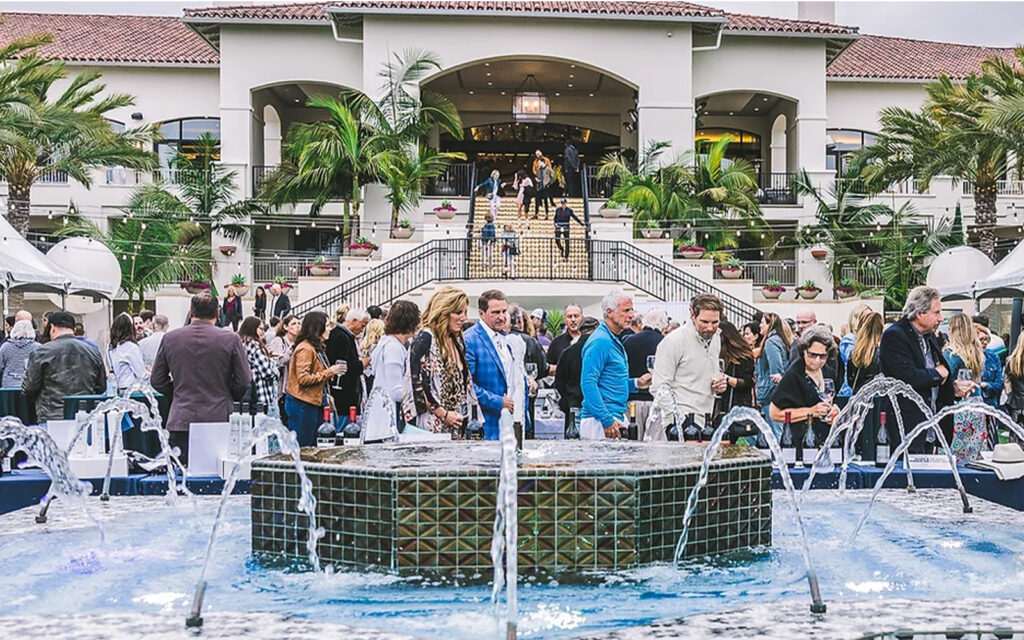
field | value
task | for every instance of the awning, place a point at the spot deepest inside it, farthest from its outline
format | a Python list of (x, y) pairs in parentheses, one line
[(26, 268), (1005, 281)]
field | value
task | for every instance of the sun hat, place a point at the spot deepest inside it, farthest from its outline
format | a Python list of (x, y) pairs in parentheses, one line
[(537, 313), (1007, 461)]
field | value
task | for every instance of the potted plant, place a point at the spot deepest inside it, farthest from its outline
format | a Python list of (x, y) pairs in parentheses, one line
[(847, 289), (227, 249), (362, 247), (731, 268), (320, 267), (611, 210), (808, 290), (650, 230), (279, 281), (195, 286), (403, 231), (772, 290), (690, 251), (240, 284), (819, 253), (444, 211)]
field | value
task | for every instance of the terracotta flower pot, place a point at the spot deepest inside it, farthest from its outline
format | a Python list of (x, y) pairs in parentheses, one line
[(691, 254), (444, 214), (843, 293), (195, 287), (771, 294), (227, 249), (362, 252), (808, 294), (819, 254), (731, 273), (240, 289), (320, 270), (401, 233)]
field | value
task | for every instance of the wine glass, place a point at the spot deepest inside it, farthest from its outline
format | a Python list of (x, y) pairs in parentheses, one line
[(720, 375), (828, 391), (650, 364), (531, 370)]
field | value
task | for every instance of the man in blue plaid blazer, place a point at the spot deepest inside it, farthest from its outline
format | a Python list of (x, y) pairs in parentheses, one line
[(490, 359)]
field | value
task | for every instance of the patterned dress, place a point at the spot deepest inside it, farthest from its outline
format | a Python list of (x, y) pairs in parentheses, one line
[(437, 383)]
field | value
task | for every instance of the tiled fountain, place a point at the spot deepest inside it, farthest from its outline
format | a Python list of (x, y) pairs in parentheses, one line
[(582, 505)]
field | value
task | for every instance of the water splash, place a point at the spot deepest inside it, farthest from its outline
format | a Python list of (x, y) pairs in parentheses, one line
[(307, 504), (505, 540), (746, 413), (41, 448), (169, 456), (664, 404), (972, 405)]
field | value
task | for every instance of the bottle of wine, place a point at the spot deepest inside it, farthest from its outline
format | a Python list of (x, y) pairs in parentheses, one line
[(799, 441), (690, 430), (574, 424), (709, 428), (632, 431), (475, 428), (882, 443), (325, 433), (350, 432)]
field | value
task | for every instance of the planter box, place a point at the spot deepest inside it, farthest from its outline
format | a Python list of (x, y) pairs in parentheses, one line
[(444, 214), (691, 254), (610, 212), (652, 234), (844, 294), (194, 287), (320, 270), (808, 294), (402, 233), (771, 295), (227, 249), (360, 253), (731, 274), (819, 254)]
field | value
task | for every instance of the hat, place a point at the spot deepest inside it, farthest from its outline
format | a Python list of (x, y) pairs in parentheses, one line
[(589, 324), (537, 313), (1007, 461), (62, 319)]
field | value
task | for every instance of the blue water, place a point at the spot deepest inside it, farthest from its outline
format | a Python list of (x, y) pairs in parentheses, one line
[(153, 555)]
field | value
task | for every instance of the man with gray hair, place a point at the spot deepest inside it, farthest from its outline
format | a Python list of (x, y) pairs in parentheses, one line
[(342, 347), (605, 380), (150, 345), (910, 351)]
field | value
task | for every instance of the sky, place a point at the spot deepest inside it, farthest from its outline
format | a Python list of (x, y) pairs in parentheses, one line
[(988, 23)]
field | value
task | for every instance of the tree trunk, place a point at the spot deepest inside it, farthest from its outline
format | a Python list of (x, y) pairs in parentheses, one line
[(985, 218), (18, 207)]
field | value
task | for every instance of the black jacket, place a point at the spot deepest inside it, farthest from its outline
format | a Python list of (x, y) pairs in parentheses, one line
[(901, 358), (558, 345), (567, 376), (62, 367), (341, 345), (742, 395), (638, 346), (282, 306)]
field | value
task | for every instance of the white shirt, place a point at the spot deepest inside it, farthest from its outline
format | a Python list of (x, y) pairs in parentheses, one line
[(501, 346), (687, 364), (127, 365), (389, 361), (149, 347)]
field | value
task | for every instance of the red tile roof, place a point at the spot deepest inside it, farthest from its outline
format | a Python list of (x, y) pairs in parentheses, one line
[(884, 57), (104, 38), (318, 10), (743, 22)]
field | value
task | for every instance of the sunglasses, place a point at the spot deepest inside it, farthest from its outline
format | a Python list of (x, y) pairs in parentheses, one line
[(818, 356)]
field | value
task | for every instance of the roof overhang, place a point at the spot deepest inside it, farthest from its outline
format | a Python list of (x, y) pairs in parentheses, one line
[(477, 13), (209, 28), (835, 43)]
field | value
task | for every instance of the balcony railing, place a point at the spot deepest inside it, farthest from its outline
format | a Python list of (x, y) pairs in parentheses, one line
[(260, 173), (290, 265), (1003, 188), (599, 187), (52, 176), (122, 176), (179, 176), (456, 181), (764, 271), (867, 276), (776, 188), (901, 187)]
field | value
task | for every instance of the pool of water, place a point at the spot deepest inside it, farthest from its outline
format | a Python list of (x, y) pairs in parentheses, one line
[(914, 548)]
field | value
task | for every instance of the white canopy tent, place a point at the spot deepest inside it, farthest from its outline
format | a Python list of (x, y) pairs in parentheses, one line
[(25, 268), (1006, 280)]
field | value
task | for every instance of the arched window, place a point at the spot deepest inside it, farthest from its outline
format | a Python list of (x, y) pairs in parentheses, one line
[(840, 144), (181, 135), (743, 144)]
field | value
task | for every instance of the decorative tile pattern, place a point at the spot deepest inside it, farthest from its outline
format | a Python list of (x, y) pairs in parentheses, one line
[(570, 518)]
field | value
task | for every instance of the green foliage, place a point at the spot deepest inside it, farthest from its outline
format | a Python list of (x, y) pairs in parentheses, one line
[(956, 230), (554, 319), (809, 285), (238, 280)]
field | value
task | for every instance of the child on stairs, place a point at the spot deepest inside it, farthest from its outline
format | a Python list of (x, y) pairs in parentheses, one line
[(510, 247), (488, 236)]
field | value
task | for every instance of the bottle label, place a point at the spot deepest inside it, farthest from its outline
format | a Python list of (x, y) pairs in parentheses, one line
[(882, 454)]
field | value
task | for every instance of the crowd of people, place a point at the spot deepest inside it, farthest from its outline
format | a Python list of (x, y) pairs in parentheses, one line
[(437, 369)]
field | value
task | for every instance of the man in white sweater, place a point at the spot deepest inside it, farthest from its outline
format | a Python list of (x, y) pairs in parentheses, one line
[(686, 363)]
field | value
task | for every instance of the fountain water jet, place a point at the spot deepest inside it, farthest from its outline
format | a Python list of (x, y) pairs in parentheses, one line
[(746, 413), (505, 543), (974, 404), (307, 504)]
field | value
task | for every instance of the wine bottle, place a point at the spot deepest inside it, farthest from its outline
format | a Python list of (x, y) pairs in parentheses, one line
[(799, 441), (574, 424), (690, 430), (325, 433), (632, 431), (350, 432), (474, 429), (882, 443), (517, 430), (709, 427)]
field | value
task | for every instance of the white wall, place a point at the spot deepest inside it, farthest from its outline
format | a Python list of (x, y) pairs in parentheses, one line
[(855, 105)]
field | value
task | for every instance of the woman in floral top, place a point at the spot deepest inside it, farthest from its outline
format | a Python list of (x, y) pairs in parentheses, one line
[(441, 385), (264, 369)]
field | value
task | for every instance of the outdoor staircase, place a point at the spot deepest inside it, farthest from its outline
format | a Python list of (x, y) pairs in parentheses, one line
[(539, 258)]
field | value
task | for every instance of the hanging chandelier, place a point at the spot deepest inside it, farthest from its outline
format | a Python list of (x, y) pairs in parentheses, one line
[(530, 104)]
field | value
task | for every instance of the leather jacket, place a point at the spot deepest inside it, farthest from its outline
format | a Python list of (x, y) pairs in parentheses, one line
[(62, 367)]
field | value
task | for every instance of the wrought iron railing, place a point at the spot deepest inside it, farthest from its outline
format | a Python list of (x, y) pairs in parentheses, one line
[(598, 187), (458, 180), (449, 259), (763, 272), (52, 176), (776, 188), (1003, 187), (900, 187), (180, 176), (868, 276), (260, 173)]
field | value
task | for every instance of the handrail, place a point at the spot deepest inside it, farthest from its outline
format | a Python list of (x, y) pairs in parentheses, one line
[(472, 200), (585, 192), (448, 259)]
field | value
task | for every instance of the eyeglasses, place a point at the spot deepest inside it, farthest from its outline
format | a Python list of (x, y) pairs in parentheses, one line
[(818, 356)]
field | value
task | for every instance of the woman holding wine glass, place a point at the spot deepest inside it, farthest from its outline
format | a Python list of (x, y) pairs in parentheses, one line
[(738, 368), (804, 392), (966, 360)]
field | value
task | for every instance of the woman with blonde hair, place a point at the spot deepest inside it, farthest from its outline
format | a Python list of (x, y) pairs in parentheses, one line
[(966, 360), (863, 364), (442, 388), (846, 344), (372, 334), (1014, 381)]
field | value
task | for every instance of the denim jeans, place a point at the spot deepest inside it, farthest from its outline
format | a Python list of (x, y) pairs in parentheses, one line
[(303, 419)]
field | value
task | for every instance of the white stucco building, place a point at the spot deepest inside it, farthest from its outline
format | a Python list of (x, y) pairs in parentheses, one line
[(794, 94)]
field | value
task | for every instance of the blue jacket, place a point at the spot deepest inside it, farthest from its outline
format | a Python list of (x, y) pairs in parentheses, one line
[(605, 382), (493, 186), (488, 377), (774, 358)]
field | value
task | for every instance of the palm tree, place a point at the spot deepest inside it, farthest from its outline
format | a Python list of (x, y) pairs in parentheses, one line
[(904, 247), (332, 159), (20, 71), (843, 218), (953, 134), (404, 174), (204, 192)]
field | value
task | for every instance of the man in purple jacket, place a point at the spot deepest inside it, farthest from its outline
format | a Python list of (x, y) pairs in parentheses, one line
[(203, 368)]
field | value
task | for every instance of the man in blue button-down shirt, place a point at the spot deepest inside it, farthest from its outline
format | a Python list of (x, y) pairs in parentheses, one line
[(605, 383)]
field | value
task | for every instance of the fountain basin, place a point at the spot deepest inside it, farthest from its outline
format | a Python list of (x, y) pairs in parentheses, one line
[(419, 508)]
